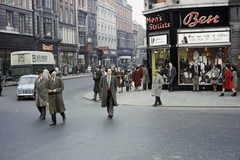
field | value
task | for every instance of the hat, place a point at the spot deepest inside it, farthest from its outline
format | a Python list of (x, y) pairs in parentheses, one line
[(158, 71), (39, 71), (53, 70)]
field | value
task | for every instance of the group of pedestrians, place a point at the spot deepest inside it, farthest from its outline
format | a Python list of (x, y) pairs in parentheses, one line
[(48, 89)]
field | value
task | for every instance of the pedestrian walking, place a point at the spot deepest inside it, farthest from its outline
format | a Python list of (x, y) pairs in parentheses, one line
[(171, 73), (55, 88), (195, 71), (227, 82), (120, 80), (97, 77), (214, 74), (128, 80), (157, 88), (1, 83), (108, 86), (234, 76), (40, 94), (145, 79), (137, 78)]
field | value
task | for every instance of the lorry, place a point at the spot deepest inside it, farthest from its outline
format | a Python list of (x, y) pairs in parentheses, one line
[(28, 62)]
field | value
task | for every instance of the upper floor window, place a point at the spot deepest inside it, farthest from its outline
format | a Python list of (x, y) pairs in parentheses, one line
[(21, 23), (81, 19), (47, 3), (71, 17), (9, 19), (71, 1), (22, 3), (47, 27), (66, 1), (9, 1), (66, 15), (61, 14)]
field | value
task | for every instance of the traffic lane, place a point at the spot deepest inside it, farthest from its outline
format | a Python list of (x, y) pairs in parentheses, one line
[(140, 133)]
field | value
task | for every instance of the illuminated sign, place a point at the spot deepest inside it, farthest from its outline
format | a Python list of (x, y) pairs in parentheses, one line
[(47, 48), (157, 22)]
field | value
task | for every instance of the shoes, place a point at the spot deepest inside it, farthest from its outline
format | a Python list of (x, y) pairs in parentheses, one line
[(1, 95), (64, 118), (160, 103), (139, 90), (221, 95), (193, 90), (119, 92), (234, 94), (155, 105), (52, 124), (42, 118), (110, 116), (94, 100)]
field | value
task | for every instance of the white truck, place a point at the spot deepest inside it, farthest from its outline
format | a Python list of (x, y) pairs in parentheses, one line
[(28, 62)]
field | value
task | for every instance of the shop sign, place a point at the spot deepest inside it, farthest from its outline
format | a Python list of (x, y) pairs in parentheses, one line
[(80, 56), (158, 40), (113, 52), (39, 58), (193, 19), (47, 47), (207, 37), (157, 22)]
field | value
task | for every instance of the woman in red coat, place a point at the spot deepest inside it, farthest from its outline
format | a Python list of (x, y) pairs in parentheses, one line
[(227, 82), (137, 79)]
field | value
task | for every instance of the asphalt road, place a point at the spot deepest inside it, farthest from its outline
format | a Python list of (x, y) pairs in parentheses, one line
[(135, 133)]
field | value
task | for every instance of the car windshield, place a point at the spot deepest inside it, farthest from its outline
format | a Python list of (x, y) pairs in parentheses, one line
[(27, 80)]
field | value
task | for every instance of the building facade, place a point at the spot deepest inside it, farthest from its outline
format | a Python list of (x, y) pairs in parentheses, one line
[(125, 37), (106, 31), (183, 31), (16, 30), (68, 33)]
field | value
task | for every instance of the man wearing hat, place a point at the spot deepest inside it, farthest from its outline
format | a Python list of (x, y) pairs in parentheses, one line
[(1, 83), (157, 88), (40, 94), (54, 89), (96, 77)]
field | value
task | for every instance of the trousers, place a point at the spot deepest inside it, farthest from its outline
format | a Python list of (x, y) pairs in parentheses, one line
[(110, 104)]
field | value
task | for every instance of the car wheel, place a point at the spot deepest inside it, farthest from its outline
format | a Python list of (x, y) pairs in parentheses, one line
[(18, 97)]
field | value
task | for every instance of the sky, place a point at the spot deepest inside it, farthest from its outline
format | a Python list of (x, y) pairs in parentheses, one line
[(137, 6)]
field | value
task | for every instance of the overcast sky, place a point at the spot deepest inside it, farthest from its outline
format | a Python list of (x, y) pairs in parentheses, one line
[(137, 6)]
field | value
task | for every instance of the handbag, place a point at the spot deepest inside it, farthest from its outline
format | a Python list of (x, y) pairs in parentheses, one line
[(120, 81)]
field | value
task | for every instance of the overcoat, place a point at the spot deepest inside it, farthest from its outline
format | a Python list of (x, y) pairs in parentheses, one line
[(137, 77), (234, 79), (97, 79), (145, 78), (172, 76), (120, 75), (228, 84), (157, 85), (40, 92), (214, 74), (104, 88), (55, 100)]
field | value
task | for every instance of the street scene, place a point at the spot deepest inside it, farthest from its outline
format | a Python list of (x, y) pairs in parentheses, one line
[(135, 132)]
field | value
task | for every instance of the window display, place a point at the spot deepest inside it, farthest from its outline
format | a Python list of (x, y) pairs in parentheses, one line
[(206, 57)]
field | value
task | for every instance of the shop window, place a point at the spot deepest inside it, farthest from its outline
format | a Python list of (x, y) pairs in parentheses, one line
[(206, 57)]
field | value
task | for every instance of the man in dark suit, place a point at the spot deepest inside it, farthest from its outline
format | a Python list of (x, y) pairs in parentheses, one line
[(195, 70), (96, 77), (108, 86), (171, 75)]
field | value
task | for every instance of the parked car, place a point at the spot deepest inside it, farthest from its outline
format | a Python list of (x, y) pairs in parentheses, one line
[(26, 86)]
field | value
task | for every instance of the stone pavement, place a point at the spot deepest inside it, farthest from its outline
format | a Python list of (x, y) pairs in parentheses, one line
[(208, 99)]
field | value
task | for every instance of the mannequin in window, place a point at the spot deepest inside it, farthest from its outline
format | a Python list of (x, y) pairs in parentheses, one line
[(195, 54), (202, 58), (184, 64), (217, 60)]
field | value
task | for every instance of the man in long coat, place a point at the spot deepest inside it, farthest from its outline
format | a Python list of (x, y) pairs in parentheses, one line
[(145, 79), (108, 86), (96, 77), (54, 88), (40, 94), (157, 88), (171, 75)]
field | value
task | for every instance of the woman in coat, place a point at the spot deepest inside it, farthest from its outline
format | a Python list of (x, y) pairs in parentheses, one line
[(234, 76), (120, 76), (227, 82), (214, 74), (157, 88), (54, 88), (137, 79)]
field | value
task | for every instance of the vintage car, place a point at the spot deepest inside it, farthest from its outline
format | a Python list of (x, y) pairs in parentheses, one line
[(26, 86)]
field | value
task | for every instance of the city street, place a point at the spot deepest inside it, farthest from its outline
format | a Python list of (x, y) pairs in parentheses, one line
[(134, 133)]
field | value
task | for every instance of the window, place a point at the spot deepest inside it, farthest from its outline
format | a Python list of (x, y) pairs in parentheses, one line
[(71, 1), (61, 14), (47, 27), (9, 1), (47, 3), (22, 3), (21, 23), (82, 37), (66, 15), (83, 3), (66, 1), (9, 19), (71, 17), (81, 19), (38, 25)]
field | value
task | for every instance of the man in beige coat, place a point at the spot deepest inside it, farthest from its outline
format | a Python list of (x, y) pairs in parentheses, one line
[(54, 88), (40, 94), (157, 88)]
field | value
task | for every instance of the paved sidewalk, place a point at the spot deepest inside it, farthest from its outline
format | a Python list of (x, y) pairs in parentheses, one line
[(207, 99), (70, 76)]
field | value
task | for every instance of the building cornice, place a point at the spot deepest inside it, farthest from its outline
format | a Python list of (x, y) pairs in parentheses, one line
[(159, 9)]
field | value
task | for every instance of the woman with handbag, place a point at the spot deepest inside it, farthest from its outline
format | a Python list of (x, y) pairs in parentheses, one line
[(214, 73), (227, 82)]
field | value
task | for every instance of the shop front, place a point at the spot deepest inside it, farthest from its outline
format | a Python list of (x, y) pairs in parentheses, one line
[(68, 59), (183, 36)]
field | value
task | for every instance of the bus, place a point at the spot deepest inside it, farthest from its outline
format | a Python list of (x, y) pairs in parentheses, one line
[(28, 62), (141, 55)]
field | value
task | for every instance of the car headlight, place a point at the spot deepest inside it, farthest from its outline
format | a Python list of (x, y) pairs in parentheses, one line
[(19, 89)]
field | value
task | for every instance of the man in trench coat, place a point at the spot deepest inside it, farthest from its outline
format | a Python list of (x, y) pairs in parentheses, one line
[(54, 88), (157, 88), (108, 86), (40, 94), (96, 77)]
